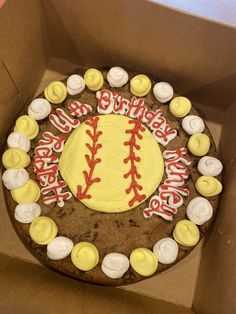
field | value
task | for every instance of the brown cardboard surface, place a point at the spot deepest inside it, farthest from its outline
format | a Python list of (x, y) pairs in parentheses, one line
[(48, 292), (22, 57), (197, 57), (218, 264), (173, 46)]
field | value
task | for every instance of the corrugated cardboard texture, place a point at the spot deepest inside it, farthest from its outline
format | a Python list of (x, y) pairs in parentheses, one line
[(47, 292)]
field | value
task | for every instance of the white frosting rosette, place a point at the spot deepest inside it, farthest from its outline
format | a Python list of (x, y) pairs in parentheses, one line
[(114, 265), (18, 140), (210, 166), (75, 84), (39, 109), (117, 77), (163, 91), (15, 178), (59, 248), (199, 210), (166, 250), (25, 213), (193, 124)]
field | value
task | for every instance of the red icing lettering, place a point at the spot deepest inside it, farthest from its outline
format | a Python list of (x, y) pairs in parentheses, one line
[(105, 101), (171, 191), (120, 105), (46, 169), (176, 179), (77, 109), (58, 196), (111, 102), (165, 134), (62, 121), (155, 120), (157, 207), (48, 176), (42, 151), (136, 108), (177, 155), (172, 195), (52, 141), (175, 167)]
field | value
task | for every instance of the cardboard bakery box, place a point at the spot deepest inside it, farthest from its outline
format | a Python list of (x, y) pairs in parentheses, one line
[(45, 40)]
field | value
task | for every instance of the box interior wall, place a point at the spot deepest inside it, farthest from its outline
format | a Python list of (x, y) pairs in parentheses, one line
[(195, 55)]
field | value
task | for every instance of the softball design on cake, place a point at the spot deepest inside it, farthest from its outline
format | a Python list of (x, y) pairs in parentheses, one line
[(111, 163)]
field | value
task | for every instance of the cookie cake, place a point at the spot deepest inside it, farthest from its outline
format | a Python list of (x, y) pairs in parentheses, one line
[(110, 177)]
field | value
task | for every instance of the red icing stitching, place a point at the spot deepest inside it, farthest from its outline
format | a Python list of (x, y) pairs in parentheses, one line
[(92, 161), (133, 172)]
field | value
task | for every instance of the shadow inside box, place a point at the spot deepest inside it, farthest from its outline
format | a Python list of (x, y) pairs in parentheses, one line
[(59, 294), (220, 94)]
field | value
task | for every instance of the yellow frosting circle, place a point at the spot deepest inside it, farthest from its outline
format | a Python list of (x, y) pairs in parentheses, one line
[(28, 193), (93, 79), (180, 106), (15, 158), (43, 230), (208, 186), (143, 261), (27, 126), (85, 256), (186, 233), (55, 92), (199, 144), (109, 195), (140, 85)]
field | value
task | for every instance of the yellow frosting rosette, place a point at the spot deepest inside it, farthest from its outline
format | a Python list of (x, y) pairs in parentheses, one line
[(208, 186), (140, 85), (27, 193), (55, 92), (15, 158), (85, 256), (93, 79), (42, 230), (186, 233), (27, 126), (199, 144), (143, 261), (180, 106)]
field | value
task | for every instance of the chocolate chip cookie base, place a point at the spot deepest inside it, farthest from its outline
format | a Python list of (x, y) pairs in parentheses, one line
[(122, 232)]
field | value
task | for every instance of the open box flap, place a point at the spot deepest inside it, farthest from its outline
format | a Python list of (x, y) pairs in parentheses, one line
[(195, 55), (23, 51), (9, 97), (216, 285)]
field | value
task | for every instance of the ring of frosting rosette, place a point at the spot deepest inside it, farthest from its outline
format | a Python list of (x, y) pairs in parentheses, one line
[(43, 230)]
